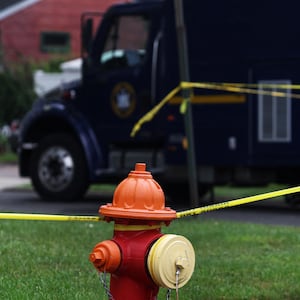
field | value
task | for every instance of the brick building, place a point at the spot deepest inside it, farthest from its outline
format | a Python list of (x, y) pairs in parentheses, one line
[(41, 29)]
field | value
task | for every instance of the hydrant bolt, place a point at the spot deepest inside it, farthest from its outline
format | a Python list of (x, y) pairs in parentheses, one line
[(181, 263), (96, 258)]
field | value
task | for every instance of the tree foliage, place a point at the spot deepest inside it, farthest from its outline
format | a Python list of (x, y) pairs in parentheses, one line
[(16, 93)]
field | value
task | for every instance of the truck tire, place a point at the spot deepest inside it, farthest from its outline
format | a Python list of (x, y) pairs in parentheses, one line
[(58, 170)]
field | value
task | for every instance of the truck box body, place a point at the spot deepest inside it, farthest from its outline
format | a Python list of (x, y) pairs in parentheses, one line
[(243, 43), (132, 62)]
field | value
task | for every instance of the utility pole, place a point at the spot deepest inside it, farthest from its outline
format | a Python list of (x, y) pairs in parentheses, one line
[(187, 94)]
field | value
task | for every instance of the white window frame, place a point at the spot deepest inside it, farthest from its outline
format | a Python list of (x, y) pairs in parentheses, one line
[(269, 115)]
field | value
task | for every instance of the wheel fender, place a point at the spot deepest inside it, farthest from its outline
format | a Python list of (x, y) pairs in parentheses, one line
[(91, 147), (75, 123)]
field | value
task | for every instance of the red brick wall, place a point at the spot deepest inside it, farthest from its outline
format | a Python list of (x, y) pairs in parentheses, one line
[(20, 33)]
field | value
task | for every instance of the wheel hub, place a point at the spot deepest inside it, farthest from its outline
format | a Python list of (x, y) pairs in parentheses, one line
[(56, 168)]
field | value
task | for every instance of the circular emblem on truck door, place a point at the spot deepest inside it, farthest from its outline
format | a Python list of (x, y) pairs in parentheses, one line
[(123, 99)]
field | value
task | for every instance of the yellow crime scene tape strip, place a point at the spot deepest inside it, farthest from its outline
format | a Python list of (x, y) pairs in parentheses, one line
[(241, 88), (44, 217), (185, 213), (228, 87), (149, 116), (241, 201), (262, 85)]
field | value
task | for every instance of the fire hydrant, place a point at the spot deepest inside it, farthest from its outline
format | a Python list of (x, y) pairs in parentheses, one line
[(139, 257)]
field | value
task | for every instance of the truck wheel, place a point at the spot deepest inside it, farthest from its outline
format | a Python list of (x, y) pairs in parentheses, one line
[(58, 169)]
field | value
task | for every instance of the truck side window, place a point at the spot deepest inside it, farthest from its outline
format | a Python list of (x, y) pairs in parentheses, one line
[(125, 45)]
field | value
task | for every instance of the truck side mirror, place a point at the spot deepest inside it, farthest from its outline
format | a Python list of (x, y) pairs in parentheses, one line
[(86, 35)]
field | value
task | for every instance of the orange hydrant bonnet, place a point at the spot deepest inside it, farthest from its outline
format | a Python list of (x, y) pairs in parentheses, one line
[(138, 196)]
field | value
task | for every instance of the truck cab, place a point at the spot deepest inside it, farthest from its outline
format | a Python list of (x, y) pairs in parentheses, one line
[(82, 135)]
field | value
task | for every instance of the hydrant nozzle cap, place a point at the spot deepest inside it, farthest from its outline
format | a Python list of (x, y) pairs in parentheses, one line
[(171, 254), (106, 256), (139, 196)]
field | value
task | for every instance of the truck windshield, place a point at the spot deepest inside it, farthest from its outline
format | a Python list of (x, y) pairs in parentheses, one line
[(125, 45)]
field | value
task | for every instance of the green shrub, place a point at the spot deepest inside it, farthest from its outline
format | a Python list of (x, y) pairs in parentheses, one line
[(16, 87), (3, 143), (16, 93)]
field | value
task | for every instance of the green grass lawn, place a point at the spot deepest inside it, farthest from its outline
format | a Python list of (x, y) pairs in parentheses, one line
[(49, 260)]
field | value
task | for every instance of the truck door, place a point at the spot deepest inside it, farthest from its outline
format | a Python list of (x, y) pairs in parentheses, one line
[(117, 84)]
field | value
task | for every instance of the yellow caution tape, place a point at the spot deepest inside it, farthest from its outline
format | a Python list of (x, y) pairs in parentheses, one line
[(199, 210), (244, 89), (185, 213), (149, 115), (241, 88), (183, 106), (262, 85), (43, 217)]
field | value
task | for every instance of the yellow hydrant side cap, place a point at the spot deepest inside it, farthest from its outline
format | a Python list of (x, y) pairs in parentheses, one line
[(169, 254)]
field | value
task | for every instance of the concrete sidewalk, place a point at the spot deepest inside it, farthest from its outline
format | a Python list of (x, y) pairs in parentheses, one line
[(9, 177)]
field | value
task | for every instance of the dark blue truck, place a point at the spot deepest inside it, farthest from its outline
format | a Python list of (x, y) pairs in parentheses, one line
[(130, 62)]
